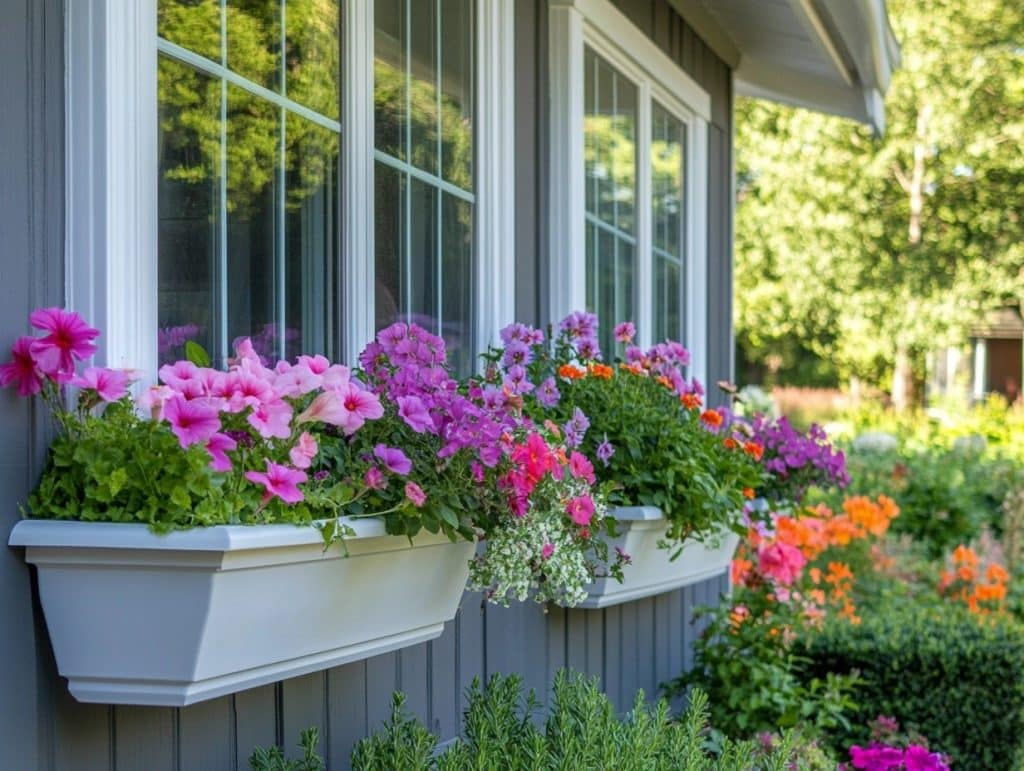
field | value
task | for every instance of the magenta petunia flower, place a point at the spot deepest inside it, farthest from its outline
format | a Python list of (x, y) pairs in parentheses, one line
[(272, 419), (374, 478), (625, 332), (191, 421), (580, 509), (415, 414), (110, 384), (70, 338), (304, 451), (22, 369), (547, 551), (415, 494), (218, 446), (359, 406), (581, 468), (280, 481), (393, 459)]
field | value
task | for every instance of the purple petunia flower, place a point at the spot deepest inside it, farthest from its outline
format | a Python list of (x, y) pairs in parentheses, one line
[(605, 450), (548, 394), (396, 461)]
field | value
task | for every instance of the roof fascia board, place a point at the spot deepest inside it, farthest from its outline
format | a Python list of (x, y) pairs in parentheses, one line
[(715, 37)]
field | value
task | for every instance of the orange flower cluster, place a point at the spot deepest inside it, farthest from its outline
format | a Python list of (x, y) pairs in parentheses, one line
[(712, 418), (690, 401), (571, 372), (983, 591), (634, 368), (602, 371)]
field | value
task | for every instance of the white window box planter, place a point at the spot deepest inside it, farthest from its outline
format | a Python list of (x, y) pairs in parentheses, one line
[(139, 618), (651, 570)]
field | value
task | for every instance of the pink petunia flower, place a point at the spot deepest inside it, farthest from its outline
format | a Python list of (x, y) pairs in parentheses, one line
[(327, 407), (415, 494), (154, 398), (394, 460), (304, 451), (580, 509), (272, 419), (297, 381), (781, 562), (70, 338), (547, 551), (22, 369), (359, 406), (280, 481), (110, 384), (179, 374), (581, 468), (374, 478), (218, 446), (191, 421), (625, 332), (415, 414)]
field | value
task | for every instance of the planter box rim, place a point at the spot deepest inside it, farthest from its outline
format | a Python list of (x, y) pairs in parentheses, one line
[(636, 513), (218, 538)]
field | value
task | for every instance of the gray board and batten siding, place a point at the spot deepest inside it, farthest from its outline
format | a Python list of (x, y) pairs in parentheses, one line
[(635, 645)]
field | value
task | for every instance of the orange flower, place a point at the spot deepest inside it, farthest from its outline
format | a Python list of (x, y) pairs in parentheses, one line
[(571, 372), (964, 555), (748, 492), (690, 401), (965, 573), (740, 569), (815, 574), (602, 371), (711, 418), (730, 443), (753, 449), (635, 368), (837, 572), (662, 380), (817, 595), (997, 574)]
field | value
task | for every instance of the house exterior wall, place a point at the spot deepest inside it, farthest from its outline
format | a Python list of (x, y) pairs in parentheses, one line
[(635, 645)]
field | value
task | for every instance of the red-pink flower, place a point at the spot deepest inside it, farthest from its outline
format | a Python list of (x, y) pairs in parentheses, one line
[(110, 384), (191, 421), (415, 494), (302, 454), (22, 369), (547, 551), (581, 468), (580, 509), (781, 562), (218, 446), (279, 480), (374, 478), (70, 338)]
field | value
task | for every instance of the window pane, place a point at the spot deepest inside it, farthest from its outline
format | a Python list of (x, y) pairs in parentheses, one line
[(668, 140), (254, 40), (312, 66), (311, 206), (192, 24), (253, 274), (389, 242), (457, 281), (390, 46), (422, 296), (457, 92), (668, 321), (188, 210), (423, 92), (623, 149)]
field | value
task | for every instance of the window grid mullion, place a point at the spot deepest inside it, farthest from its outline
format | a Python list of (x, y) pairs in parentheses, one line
[(440, 169), (222, 202)]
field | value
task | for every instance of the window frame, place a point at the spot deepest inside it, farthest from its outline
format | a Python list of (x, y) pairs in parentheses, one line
[(573, 26), (111, 144)]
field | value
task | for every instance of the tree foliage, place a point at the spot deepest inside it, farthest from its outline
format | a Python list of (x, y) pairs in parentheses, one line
[(840, 264)]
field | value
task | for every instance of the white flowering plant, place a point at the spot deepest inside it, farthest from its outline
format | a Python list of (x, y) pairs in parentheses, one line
[(543, 545)]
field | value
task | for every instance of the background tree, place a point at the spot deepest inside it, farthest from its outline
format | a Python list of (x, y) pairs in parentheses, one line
[(856, 255)]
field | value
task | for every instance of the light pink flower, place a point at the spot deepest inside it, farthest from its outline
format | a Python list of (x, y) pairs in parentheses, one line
[(318, 364), (781, 562), (191, 421), (297, 381), (412, 410), (70, 338), (110, 384), (328, 407), (154, 398), (218, 446), (360, 406), (336, 376), (374, 478), (304, 451), (580, 509), (246, 388), (179, 374), (272, 419), (279, 480), (22, 369), (415, 494), (244, 351)]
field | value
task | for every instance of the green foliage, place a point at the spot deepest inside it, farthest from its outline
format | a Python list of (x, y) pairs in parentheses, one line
[(827, 262), (746, 661), (943, 673), (582, 731), (273, 759)]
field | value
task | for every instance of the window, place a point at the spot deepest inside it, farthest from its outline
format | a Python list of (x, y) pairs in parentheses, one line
[(633, 245), (295, 171)]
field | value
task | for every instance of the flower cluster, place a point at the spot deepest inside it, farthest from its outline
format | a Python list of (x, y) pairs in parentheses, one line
[(796, 461), (882, 757), (545, 545), (639, 418), (982, 588)]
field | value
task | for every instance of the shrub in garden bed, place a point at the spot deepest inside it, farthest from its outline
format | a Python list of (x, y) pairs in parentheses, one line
[(956, 680)]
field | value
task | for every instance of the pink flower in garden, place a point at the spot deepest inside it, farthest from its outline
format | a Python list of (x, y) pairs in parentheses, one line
[(218, 446), (581, 468), (547, 551), (415, 414), (70, 338), (154, 398), (605, 451), (374, 478), (302, 454), (625, 332), (359, 406), (415, 494), (297, 381), (336, 376), (918, 758), (244, 351), (317, 364), (279, 480), (877, 757), (580, 509), (272, 419), (179, 374), (110, 384), (191, 421), (22, 369), (247, 388), (781, 562), (394, 460), (477, 471), (327, 407)]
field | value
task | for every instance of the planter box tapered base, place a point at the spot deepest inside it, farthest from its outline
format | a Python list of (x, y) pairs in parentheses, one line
[(652, 571), (170, 620)]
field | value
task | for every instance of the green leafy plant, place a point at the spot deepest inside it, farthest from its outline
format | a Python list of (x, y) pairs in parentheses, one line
[(747, 661), (273, 759), (940, 672)]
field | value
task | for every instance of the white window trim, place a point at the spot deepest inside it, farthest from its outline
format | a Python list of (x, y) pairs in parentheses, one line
[(112, 158), (572, 25)]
